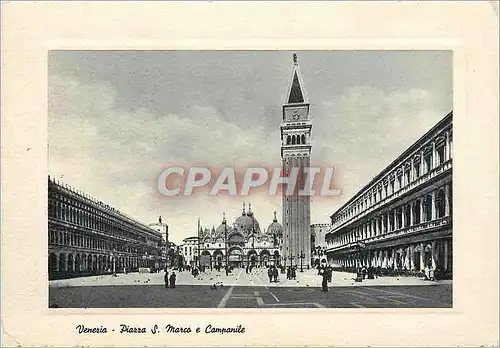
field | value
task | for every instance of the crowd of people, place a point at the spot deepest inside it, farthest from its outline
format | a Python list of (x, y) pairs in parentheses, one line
[(370, 272)]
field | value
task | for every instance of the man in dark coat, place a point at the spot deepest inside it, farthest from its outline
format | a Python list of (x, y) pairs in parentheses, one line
[(270, 274), (166, 278), (275, 274), (172, 280), (324, 283)]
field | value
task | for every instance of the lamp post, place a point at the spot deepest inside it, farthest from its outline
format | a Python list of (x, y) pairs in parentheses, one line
[(199, 255), (225, 241), (301, 256), (284, 264)]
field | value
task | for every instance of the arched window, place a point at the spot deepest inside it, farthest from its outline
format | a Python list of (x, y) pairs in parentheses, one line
[(303, 139), (440, 150), (416, 167), (288, 140), (416, 212), (399, 219), (407, 212), (293, 140), (428, 208), (440, 204), (428, 161)]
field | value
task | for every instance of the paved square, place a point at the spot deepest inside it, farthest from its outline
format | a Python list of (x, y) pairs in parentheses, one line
[(242, 290)]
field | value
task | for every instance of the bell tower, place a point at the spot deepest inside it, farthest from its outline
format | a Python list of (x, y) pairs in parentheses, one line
[(296, 153)]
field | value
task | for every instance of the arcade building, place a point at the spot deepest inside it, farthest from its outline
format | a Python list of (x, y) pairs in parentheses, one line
[(89, 237), (402, 219)]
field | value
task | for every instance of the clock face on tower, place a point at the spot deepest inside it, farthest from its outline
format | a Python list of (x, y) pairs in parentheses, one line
[(296, 114)]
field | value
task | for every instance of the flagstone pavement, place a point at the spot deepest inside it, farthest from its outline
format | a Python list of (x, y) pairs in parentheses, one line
[(238, 277)]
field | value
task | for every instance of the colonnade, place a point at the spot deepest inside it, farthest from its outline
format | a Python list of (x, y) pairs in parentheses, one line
[(436, 254), (74, 263), (432, 205)]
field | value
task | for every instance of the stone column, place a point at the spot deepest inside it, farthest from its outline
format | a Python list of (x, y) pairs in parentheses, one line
[(445, 266), (412, 169), (421, 202), (422, 162), (412, 259), (406, 262), (434, 255), (447, 200), (403, 217), (451, 145), (395, 219), (447, 149), (433, 205), (422, 252), (434, 157), (412, 219)]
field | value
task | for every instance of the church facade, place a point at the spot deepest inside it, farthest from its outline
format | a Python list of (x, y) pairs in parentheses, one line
[(296, 129), (241, 243)]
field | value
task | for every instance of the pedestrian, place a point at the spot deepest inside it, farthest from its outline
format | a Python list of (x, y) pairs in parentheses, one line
[(426, 273), (270, 274), (275, 274), (324, 283), (294, 272), (166, 278), (288, 273), (431, 274), (330, 271), (172, 280)]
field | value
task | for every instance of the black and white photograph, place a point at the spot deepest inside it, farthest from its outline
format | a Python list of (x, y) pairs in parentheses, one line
[(249, 173), (250, 179)]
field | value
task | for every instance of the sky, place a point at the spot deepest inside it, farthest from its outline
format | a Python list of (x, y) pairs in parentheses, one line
[(118, 118)]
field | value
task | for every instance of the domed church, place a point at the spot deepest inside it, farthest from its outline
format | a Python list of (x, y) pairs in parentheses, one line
[(243, 242)]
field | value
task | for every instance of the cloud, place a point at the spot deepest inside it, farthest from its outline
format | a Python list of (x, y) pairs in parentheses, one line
[(118, 155), (364, 129), (112, 141)]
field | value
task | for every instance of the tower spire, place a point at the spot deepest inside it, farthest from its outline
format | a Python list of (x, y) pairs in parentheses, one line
[(296, 92), (275, 220), (243, 213)]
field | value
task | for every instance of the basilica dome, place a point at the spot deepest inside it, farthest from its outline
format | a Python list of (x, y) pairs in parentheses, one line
[(221, 230), (247, 224), (275, 227)]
